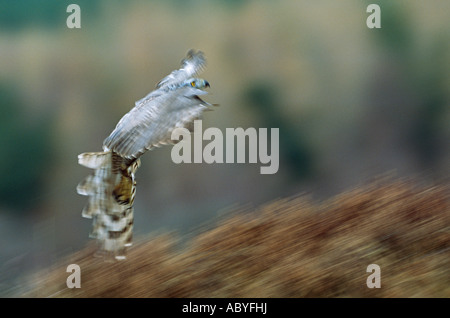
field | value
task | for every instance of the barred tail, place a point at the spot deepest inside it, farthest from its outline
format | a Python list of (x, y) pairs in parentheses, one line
[(111, 190)]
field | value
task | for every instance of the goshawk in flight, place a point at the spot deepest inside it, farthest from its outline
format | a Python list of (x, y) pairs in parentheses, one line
[(175, 103)]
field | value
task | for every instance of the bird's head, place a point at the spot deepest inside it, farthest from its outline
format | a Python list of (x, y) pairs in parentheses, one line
[(199, 83)]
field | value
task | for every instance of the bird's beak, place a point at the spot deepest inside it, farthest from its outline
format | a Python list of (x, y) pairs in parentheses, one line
[(207, 84)]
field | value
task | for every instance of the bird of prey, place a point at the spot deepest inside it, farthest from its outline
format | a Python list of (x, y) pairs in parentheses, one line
[(175, 103)]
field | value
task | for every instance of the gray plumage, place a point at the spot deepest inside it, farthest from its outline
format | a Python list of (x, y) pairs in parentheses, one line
[(111, 189), (175, 103)]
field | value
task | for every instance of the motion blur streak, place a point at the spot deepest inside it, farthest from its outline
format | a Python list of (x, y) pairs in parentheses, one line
[(288, 248)]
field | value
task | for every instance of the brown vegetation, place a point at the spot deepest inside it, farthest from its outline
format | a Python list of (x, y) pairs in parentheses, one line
[(287, 248)]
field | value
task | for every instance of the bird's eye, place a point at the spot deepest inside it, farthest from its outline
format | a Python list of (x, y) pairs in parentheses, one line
[(193, 84)]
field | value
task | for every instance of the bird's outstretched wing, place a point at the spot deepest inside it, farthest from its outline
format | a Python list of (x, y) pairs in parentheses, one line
[(151, 122)]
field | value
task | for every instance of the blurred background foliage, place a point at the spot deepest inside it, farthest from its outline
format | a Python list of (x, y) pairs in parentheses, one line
[(26, 149), (351, 104)]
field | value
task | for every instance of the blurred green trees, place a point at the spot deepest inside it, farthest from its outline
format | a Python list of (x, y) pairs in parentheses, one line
[(419, 82), (25, 145), (295, 150)]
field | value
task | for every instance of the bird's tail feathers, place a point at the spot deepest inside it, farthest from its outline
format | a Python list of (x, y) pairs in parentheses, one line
[(111, 190)]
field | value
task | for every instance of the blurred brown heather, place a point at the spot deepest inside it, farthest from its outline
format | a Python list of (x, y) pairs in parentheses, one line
[(288, 248)]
